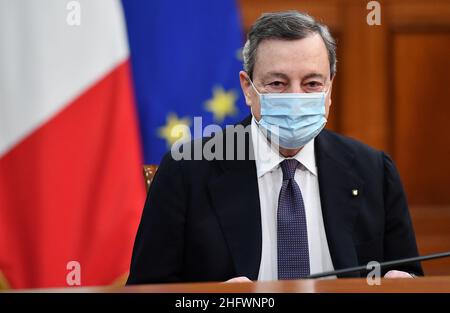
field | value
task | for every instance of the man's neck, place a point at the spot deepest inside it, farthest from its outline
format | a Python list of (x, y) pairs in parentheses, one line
[(289, 153)]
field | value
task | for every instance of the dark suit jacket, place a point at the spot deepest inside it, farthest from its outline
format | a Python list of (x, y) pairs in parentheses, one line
[(202, 221)]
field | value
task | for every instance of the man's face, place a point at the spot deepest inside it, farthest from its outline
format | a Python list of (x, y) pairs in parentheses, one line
[(291, 66)]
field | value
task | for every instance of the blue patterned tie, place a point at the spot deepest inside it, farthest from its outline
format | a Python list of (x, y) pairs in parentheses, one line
[(292, 233)]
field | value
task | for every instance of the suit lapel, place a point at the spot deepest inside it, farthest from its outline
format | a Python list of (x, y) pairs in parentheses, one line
[(235, 198), (340, 206)]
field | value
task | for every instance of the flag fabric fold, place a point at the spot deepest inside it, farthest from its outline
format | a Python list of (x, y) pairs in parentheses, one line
[(186, 56), (70, 151), (90, 91)]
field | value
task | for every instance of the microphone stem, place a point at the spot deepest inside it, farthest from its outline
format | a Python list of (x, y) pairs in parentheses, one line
[(382, 265)]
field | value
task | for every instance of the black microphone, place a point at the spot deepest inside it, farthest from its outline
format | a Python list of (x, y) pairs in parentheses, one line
[(381, 265)]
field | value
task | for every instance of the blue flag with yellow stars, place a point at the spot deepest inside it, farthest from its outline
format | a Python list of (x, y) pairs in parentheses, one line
[(186, 58)]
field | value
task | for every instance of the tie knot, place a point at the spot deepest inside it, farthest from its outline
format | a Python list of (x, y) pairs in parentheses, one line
[(288, 167)]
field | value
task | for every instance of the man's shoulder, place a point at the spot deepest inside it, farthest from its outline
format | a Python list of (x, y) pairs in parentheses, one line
[(338, 141)]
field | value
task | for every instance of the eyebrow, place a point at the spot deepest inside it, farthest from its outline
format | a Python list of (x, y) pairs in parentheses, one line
[(284, 76), (275, 74), (314, 75)]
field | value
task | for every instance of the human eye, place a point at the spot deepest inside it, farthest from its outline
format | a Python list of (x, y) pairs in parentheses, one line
[(313, 86), (275, 86)]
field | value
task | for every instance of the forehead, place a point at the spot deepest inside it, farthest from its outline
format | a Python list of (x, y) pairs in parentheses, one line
[(294, 58)]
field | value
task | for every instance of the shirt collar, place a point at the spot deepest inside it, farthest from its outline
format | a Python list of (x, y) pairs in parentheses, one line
[(267, 157)]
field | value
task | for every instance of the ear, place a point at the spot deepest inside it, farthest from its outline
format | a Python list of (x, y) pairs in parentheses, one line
[(245, 86)]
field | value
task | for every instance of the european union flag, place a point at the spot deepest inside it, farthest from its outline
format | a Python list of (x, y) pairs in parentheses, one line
[(185, 58)]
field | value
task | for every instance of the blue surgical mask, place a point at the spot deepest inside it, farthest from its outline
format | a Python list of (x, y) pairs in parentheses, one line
[(292, 118)]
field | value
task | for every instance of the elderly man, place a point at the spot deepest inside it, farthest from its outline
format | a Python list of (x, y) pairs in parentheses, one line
[(309, 201)]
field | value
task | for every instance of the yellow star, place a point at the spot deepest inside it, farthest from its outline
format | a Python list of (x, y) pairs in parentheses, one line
[(175, 129), (223, 103), (239, 55)]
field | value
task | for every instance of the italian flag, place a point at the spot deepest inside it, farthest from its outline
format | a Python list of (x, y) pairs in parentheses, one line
[(71, 188)]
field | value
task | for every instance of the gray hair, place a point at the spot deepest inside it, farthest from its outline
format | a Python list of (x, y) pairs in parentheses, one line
[(288, 25)]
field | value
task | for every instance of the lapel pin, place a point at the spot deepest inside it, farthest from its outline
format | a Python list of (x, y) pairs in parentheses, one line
[(355, 192)]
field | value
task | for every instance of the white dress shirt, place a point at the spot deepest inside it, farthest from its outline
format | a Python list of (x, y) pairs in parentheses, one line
[(270, 178)]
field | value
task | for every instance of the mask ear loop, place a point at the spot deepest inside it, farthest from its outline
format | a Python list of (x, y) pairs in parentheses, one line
[(325, 100), (254, 88), (328, 91), (257, 92)]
